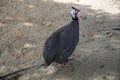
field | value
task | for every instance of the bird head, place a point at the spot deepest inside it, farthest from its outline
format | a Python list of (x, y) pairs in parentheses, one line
[(74, 13)]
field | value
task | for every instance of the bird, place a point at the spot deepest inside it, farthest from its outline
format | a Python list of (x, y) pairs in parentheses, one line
[(60, 45), (57, 48)]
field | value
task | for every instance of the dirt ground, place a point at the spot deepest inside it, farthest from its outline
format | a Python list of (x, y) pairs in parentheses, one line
[(26, 24)]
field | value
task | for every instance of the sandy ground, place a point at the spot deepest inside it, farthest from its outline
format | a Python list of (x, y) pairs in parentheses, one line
[(26, 24)]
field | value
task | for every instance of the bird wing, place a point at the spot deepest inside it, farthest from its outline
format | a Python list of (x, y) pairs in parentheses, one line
[(51, 47), (68, 43)]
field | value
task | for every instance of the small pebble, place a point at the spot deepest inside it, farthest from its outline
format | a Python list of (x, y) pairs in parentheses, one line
[(102, 66)]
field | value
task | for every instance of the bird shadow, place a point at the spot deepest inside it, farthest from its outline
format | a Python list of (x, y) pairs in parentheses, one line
[(16, 74)]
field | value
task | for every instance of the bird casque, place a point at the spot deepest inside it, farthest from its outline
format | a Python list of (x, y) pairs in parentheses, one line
[(62, 43)]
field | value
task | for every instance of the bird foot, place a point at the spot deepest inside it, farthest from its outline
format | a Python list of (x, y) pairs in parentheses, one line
[(69, 59)]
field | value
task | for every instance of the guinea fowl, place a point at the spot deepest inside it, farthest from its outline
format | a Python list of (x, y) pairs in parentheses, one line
[(61, 44), (58, 47)]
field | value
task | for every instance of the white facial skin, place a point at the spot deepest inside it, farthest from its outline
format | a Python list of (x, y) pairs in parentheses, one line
[(73, 12)]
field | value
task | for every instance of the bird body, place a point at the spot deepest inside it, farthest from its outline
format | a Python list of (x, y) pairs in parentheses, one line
[(61, 44)]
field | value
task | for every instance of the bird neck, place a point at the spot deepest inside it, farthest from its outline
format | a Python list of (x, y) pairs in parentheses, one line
[(75, 22), (75, 19)]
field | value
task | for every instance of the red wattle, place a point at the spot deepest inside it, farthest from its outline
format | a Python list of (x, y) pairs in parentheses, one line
[(77, 12)]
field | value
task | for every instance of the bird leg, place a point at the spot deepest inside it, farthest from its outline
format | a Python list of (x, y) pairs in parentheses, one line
[(70, 59)]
